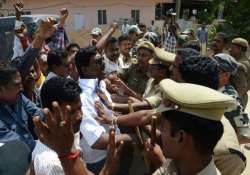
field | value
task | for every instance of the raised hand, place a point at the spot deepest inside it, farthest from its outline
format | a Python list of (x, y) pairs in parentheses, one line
[(102, 116), (154, 154), (46, 28), (57, 132), (18, 9), (113, 157), (114, 26), (64, 13)]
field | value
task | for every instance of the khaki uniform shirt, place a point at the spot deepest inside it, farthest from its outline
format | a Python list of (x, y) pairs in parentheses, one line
[(228, 156), (245, 61), (241, 81), (134, 78), (169, 168), (152, 93)]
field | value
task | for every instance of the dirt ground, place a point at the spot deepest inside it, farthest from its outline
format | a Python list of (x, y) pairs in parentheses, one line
[(82, 37)]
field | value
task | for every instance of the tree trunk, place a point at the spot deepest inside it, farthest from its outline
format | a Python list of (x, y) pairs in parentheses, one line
[(178, 9)]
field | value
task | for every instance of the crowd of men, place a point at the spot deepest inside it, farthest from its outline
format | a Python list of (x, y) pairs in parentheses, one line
[(142, 103)]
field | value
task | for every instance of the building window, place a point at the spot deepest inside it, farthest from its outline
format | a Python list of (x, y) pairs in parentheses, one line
[(135, 15), (162, 9), (102, 17)]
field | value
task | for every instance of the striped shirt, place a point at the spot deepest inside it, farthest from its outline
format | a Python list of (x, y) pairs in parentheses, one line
[(46, 161), (170, 43)]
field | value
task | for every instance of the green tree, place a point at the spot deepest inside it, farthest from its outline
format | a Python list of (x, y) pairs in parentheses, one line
[(237, 13)]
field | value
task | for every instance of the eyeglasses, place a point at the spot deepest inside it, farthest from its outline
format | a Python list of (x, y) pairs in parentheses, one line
[(158, 66)]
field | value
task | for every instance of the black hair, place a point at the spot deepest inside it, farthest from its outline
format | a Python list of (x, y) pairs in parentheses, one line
[(222, 36), (59, 89), (149, 50), (72, 45), (83, 57), (187, 52), (142, 25), (55, 58), (131, 32), (123, 38), (200, 70), (193, 45), (110, 41), (205, 133), (7, 71)]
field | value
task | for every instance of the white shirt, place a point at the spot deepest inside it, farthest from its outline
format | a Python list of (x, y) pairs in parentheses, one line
[(90, 129), (110, 66), (18, 48), (153, 28), (46, 161), (122, 63), (125, 28)]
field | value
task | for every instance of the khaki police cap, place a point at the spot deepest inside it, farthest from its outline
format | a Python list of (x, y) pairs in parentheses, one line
[(162, 57), (147, 45), (194, 99), (241, 42)]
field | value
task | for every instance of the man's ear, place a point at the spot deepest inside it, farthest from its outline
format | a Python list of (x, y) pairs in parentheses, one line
[(226, 75), (181, 137)]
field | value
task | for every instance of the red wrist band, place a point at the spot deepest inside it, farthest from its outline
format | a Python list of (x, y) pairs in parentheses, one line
[(70, 156)]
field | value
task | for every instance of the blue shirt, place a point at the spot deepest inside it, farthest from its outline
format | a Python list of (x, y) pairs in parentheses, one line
[(16, 121), (202, 35)]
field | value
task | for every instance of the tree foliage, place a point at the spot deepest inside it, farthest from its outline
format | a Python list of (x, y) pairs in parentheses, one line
[(237, 15)]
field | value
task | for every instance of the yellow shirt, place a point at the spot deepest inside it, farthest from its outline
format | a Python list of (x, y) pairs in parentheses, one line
[(40, 81)]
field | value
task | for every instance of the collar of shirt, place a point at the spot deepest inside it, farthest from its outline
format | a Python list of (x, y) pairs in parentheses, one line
[(110, 66), (88, 84), (91, 86), (221, 89), (50, 75), (210, 169), (169, 167)]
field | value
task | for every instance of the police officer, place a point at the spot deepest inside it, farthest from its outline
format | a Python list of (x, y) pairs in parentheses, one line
[(190, 127), (159, 70), (228, 67), (136, 76), (241, 80), (229, 158)]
